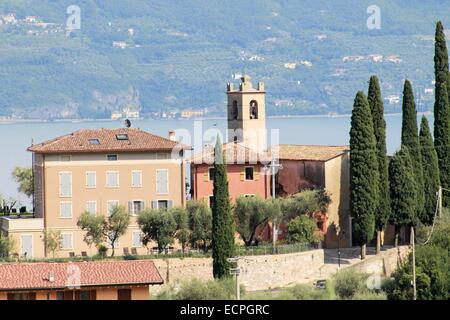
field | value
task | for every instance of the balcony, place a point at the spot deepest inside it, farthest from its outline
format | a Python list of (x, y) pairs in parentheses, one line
[(16, 224)]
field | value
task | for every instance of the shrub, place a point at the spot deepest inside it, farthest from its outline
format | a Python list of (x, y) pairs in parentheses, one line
[(223, 289), (348, 283), (7, 245), (308, 292), (303, 229), (432, 276), (369, 295)]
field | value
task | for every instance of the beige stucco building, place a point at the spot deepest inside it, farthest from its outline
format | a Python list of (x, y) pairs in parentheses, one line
[(95, 170)]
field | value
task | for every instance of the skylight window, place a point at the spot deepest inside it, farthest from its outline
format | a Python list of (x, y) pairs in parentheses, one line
[(122, 136), (94, 141)]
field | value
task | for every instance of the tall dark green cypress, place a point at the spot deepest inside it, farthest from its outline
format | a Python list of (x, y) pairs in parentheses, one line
[(442, 108), (402, 187), (379, 126), (410, 139), (222, 224), (364, 175), (430, 166)]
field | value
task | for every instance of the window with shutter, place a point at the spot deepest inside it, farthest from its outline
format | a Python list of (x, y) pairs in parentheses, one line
[(163, 204), (65, 184), (249, 173), (65, 209), (110, 204), (162, 181), (136, 179), (211, 173), (112, 179), (91, 179), (66, 241), (256, 174), (91, 207), (136, 241)]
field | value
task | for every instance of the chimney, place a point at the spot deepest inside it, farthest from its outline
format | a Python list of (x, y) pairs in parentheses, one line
[(172, 136)]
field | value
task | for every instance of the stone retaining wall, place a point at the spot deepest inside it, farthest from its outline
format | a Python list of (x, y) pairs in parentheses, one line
[(271, 271)]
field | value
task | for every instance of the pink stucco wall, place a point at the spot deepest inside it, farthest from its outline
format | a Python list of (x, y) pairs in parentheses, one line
[(203, 189)]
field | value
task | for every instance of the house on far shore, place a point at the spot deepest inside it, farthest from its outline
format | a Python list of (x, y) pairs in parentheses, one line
[(94, 280)]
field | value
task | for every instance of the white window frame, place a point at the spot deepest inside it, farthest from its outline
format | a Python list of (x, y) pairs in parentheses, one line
[(87, 206), (158, 200), (71, 182), (132, 206), (140, 239), (245, 173), (95, 179), (71, 241), (60, 209), (116, 203), (140, 182), (118, 179), (168, 184), (32, 244)]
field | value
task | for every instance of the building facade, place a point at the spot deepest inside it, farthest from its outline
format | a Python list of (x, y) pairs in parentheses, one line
[(246, 170), (94, 171), (320, 167)]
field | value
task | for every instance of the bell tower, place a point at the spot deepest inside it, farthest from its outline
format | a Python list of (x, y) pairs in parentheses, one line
[(247, 114)]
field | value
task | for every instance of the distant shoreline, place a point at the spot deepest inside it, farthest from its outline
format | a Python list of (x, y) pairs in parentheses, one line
[(37, 121)]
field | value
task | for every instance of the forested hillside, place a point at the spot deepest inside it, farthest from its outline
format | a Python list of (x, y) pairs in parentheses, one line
[(170, 55)]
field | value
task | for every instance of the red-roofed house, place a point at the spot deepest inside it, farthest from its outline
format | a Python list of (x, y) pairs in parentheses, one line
[(95, 170), (102, 280)]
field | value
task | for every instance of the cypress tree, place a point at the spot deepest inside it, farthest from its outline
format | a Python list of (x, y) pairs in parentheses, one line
[(410, 139), (442, 108), (222, 220), (379, 125), (364, 175), (430, 171), (402, 187)]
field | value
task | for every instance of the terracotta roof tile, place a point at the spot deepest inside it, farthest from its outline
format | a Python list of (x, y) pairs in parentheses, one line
[(235, 153), (309, 152), (79, 142), (17, 276)]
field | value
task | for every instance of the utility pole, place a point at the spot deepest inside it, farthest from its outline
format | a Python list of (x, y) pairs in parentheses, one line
[(414, 263), (274, 164), (235, 272), (440, 201)]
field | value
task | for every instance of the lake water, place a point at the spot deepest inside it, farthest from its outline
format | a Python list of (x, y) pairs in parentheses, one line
[(16, 137)]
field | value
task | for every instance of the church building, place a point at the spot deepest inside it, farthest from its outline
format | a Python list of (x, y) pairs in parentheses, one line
[(249, 158)]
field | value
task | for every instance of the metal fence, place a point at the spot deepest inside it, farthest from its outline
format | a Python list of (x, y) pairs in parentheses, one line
[(279, 249)]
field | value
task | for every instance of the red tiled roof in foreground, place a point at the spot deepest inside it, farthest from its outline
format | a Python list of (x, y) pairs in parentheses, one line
[(79, 142), (309, 152), (23, 276)]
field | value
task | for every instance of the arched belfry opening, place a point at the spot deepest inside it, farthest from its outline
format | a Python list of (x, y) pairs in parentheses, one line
[(234, 111), (253, 109)]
